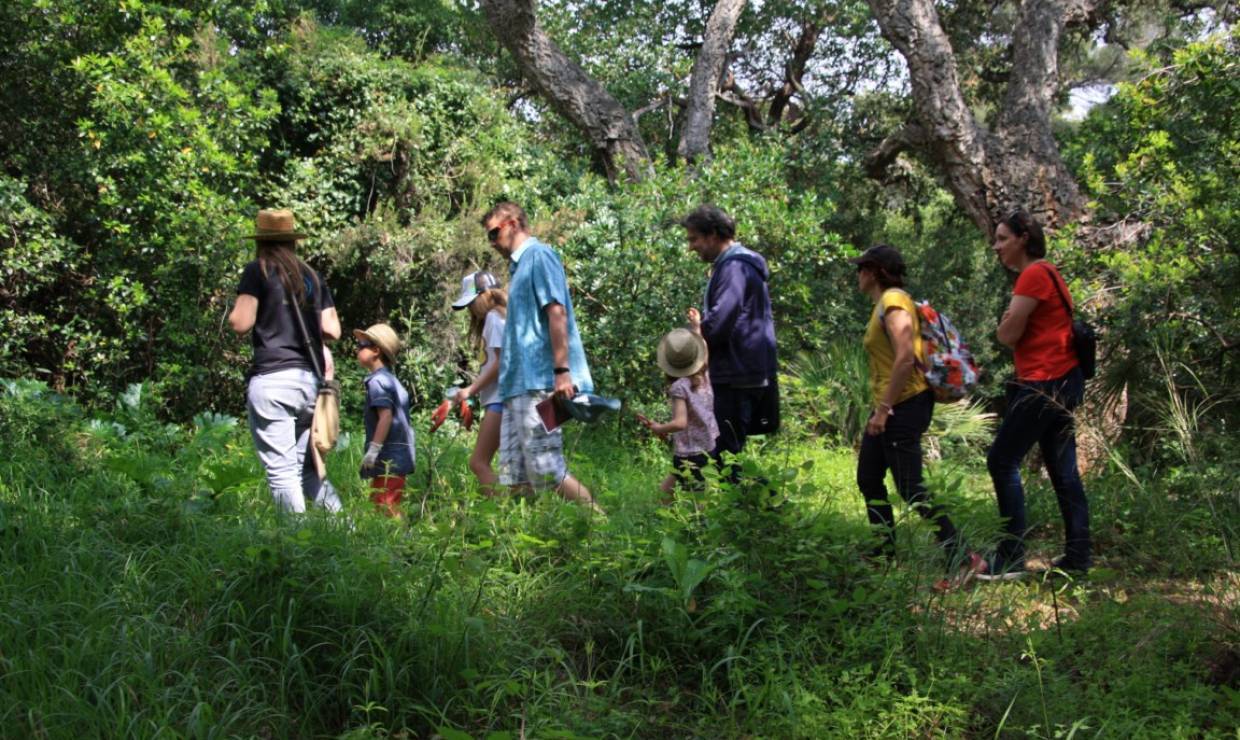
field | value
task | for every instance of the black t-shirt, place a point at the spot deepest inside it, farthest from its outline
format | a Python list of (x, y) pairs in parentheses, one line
[(276, 337)]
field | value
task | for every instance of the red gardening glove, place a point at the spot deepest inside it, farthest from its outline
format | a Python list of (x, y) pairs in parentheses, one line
[(440, 414), (467, 415)]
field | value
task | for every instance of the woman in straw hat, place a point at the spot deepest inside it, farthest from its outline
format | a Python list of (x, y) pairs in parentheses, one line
[(682, 358), (282, 381)]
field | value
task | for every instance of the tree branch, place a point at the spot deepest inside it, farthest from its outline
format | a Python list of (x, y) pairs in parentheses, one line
[(704, 81), (909, 136), (731, 92), (569, 89), (954, 140)]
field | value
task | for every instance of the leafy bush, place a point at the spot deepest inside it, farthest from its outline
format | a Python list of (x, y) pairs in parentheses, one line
[(1161, 159)]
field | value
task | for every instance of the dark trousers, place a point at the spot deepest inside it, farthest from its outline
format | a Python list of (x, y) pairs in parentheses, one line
[(1040, 412), (898, 449), (734, 413), (688, 470)]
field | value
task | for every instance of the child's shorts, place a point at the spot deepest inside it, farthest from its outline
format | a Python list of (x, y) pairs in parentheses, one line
[(495, 408), (688, 469), (386, 492)]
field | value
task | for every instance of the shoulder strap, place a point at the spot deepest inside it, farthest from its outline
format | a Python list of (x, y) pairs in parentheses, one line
[(315, 357), (1067, 306)]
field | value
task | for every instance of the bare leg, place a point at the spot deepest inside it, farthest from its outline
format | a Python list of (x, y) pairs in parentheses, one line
[(571, 489), (484, 452), (668, 487)]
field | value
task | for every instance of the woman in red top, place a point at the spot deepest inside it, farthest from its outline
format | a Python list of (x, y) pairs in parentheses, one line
[(1048, 386)]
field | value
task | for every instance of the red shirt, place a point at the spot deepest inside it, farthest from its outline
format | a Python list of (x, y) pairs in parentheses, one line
[(1045, 351)]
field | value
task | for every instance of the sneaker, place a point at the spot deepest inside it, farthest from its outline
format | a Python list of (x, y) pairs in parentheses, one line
[(973, 565), (1070, 567), (994, 572)]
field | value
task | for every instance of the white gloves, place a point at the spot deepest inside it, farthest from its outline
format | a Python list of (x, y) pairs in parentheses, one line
[(372, 455)]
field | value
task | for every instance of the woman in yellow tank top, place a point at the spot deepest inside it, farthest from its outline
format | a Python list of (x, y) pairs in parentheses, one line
[(903, 407)]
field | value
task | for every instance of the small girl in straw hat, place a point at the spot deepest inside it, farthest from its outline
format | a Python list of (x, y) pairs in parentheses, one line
[(682, 357), (389, 435)]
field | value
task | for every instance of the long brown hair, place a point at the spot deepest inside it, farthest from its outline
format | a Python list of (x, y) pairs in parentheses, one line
[(494, 299), (695, 380), (291, 270)]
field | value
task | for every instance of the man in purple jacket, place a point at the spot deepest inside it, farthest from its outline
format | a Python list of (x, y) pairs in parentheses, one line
[(739, 330)]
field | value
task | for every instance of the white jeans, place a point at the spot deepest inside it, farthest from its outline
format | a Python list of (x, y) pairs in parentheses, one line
[(281, 407)]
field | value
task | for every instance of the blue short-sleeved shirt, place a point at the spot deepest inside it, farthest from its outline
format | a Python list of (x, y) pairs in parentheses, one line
[(527, 365), (385, 391)]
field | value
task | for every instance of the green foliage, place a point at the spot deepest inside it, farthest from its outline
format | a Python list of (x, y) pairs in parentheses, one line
[(1164, 155), (830, 388), (633, 275)]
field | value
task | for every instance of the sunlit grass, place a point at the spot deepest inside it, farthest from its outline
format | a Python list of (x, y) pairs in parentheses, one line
[(161, 596)]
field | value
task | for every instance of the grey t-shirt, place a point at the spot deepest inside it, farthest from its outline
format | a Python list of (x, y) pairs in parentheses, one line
[(384, 391)]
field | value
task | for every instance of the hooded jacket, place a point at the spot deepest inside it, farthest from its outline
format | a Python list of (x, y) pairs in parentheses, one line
[(736, 319)]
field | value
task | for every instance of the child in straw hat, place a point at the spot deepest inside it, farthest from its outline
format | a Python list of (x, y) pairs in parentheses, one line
[(389, 435), (682, 357)]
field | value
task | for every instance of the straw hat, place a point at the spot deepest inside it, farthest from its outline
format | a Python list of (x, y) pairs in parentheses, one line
[(275, 226), (384, 337), (681, 353)]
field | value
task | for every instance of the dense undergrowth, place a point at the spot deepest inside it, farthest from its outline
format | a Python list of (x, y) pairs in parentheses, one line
[(150, 590)]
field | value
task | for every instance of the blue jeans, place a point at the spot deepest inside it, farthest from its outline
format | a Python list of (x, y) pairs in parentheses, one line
[(1040, 412), (898, 449), (281, 408)]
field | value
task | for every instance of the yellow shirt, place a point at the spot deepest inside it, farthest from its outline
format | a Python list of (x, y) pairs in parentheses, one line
[(881, 353)]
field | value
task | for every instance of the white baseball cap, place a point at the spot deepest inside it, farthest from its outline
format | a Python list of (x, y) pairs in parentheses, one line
[(473, 285)]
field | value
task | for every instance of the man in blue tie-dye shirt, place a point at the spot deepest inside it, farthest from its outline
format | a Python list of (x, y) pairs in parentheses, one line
[(542, 357)]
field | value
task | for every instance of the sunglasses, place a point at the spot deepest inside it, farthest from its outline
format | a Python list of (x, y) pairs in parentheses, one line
[(364, 344), (493, 234)]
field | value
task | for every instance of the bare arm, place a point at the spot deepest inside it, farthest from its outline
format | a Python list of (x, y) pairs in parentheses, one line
[(383, 427), (679, 420), (244, 313), (329, 323), (484, 379), (1015, 320), (557, 324), (900, 330)]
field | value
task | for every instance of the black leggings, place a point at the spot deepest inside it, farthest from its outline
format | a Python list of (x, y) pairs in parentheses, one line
[(898, 449)]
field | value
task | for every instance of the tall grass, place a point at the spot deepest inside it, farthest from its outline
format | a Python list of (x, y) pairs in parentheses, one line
[(150, 591)]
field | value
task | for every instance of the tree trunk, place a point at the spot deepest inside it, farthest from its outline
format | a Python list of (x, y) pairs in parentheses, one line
[(573, 94), (988, 172), (704, 82)]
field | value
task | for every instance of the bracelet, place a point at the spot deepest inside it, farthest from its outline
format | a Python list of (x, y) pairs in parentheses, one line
[(561, 370), (886, 406)]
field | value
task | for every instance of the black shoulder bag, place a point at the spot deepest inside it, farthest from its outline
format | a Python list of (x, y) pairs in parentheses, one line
[(1084, 338)]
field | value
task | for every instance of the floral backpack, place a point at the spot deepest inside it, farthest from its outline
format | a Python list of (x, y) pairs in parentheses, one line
[(949, 368)]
